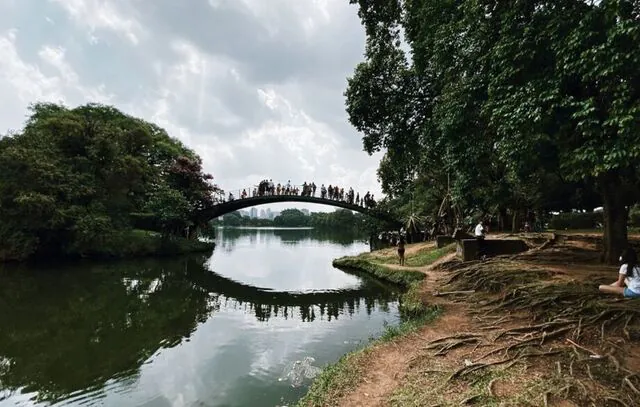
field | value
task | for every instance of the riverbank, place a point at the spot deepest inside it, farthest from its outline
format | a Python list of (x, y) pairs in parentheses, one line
[(128, 244), (524, 330), (338, 379)]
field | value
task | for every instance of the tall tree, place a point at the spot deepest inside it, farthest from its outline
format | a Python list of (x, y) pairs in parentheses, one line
[(72, 177), (505, 97)]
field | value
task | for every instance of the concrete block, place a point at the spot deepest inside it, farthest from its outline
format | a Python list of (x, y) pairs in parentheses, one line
[(469, 249), (505, 246), (443, 240)]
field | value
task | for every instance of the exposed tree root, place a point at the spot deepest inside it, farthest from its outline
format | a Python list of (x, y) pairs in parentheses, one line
[(472, 367), (565, 310), (627, 381)]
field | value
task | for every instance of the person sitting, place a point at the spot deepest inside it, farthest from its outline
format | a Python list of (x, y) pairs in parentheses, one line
[(480, 231), (629, 275)]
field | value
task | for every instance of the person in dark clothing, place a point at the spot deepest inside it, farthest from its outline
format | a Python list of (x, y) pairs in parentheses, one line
[(401, 250)]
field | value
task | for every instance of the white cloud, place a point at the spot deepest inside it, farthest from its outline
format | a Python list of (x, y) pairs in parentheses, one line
[(23, 81), (254, 102), (103, 14)]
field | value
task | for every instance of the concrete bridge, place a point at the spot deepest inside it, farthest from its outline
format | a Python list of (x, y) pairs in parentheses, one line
[(236, 204)]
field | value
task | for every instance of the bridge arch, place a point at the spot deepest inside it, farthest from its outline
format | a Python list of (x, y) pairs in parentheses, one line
[(242, 203)]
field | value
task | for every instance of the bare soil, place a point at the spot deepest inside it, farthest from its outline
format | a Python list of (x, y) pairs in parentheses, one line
[(535, 332)]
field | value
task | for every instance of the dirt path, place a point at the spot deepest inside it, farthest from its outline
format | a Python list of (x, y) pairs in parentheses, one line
[(388, 368), (504, 358)]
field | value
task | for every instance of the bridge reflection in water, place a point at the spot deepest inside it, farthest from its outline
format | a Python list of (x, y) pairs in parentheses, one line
[(75, 328)]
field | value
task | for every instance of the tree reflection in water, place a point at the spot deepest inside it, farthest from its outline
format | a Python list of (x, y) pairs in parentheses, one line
[(228, 237), (70, 328)]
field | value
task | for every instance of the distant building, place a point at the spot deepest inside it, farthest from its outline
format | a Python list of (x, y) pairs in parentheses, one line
[(253, 212), (269, 214), (263, 214), (245, 213), (305, 211)]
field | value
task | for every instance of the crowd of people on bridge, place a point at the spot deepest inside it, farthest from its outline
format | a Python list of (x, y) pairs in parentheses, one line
[(332, 192)]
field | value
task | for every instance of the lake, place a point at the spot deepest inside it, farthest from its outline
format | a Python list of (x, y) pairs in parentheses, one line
[(247, 325)]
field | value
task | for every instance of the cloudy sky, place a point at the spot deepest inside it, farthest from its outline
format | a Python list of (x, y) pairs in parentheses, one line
[(254, 86)]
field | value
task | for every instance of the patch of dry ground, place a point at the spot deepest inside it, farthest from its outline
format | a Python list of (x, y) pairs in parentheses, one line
[(387, 370), (534, 333)]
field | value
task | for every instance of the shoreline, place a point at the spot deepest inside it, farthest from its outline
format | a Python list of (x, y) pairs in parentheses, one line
[(529, 329), (123, 245), (337, 378)]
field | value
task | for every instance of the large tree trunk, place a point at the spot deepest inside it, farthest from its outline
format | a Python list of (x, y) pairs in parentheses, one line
[(615, 217), (514, 222), (502, 219)]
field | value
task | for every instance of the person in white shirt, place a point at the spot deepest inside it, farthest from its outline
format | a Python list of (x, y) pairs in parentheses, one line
[(480, 231), (629, 275)]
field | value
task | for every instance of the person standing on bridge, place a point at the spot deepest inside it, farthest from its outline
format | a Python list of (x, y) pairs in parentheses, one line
[(358, 199), (313, 188), (323, 192)]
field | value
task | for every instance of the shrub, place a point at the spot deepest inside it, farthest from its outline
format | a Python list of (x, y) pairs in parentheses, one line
[(575, 220)]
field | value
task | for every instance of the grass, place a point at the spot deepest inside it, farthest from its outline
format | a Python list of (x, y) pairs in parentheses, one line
[(376, 264), (402, 277), (427, 256), (428, 386), (419, 258), (336, 379), (412, 323)]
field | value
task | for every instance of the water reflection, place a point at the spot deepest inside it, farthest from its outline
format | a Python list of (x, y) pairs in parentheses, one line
[(229, 237), (71, 330)]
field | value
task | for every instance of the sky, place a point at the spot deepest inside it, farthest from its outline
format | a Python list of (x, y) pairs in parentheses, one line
[(255, 87)]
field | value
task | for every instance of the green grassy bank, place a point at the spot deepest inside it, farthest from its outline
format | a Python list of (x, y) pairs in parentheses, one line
[(338, 378)]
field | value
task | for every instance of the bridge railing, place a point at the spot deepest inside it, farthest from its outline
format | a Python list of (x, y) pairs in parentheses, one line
[(248, 192)]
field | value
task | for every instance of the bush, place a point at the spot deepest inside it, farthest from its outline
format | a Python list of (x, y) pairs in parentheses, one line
[(574, 220), (140, 243)]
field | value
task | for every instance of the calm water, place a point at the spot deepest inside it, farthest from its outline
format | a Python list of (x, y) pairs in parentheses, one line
[(237, 327)]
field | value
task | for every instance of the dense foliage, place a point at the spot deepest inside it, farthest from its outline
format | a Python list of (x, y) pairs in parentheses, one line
[(73, 179), (503, 106)]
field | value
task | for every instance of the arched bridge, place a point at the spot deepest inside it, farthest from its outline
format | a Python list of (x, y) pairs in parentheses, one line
[(236, 204)]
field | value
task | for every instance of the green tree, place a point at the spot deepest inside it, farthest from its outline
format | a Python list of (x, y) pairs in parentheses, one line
[(291, 218), (506, 99), (73, 177)]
